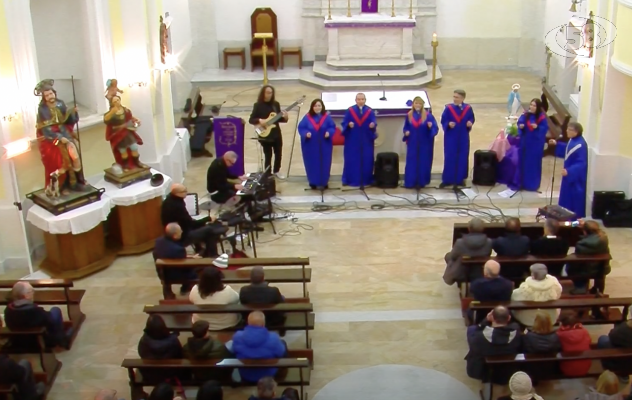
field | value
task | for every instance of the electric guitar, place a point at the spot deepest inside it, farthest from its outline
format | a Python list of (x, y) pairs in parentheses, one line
[(264, 129)]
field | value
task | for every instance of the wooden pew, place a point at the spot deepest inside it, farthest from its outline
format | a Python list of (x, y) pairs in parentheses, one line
[(533, 230), (53, 292), (509, 263), (298, 316), (48, 362), (534, 360), (614, 315), (558, 120), (297, 365), (303, 276)]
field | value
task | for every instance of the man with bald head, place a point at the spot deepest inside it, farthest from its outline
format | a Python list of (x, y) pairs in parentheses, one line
[(219, 177), (491, 287), (255, 342), (170, 247), (259, 292), (22, 314), (194, 232), (359, 130)]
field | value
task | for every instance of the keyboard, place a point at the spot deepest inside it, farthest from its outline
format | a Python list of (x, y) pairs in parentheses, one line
[(249, 184)]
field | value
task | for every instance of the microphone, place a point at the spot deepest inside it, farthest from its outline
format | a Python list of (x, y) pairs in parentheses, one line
[(383, 98)]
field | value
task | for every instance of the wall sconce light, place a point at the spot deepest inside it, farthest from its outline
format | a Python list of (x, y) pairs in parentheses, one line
[(10, 117), (138, 84), (17, 147), (574, 4)]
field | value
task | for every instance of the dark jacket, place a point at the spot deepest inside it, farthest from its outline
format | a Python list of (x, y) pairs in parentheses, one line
[(511, 245), (261, 293), (257, 343), (217, 177), (207, 349), (168, 249), (262, 111), (494, 289), (620, 338), (551, 246), (537, 343), (485, 341), (470, 245), (590, 245), (11, 373), (175, 210), (167, 348), (575, 338), (22, 315)]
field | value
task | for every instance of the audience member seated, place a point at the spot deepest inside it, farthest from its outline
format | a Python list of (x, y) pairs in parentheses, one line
[(212, 290), (594, 242), (492, 287), (259, 292), (20, 374), (218, 179), (255, 342), (513, 244), (521, 388), (550, 245), (22, 313), (157, 343), (266, 390), (290, 394), (203, 347), (194, 232), (163, 391), (210, 390), (619, 337), (169, 247), (472, 244), (495, 336), (607, 388), (573, 337), (540, 286), (541, 338)]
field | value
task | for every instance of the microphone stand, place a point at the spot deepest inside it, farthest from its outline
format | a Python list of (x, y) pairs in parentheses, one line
[(383, 98), (552, 179)]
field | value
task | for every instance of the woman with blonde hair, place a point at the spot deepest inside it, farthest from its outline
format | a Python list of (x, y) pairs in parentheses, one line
[(607, 388), (420, 129), (541, 338)]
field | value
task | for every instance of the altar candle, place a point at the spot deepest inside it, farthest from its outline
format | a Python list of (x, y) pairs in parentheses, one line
[(434, 38)]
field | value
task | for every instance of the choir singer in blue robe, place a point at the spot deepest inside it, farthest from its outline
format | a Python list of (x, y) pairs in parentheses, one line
[(316, 130), (358, 129), (420, 129), (532, 129), (457, 121), (575, 172)]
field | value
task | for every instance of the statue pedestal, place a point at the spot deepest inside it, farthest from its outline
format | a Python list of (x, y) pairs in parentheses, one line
[(127, 178), (134, 224), (75, 240)]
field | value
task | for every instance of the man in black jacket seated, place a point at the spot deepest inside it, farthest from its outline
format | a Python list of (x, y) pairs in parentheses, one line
[(495, 336), (194, 232), (259, 292), (20, 374), (218, 179), (551, 245), (22, 313), (169, 247), (513, 244)]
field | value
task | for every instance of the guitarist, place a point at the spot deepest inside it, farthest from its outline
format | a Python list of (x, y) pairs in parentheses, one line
[(261, 110)]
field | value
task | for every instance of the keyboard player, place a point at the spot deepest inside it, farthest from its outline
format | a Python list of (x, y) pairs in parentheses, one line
[(220, 183)]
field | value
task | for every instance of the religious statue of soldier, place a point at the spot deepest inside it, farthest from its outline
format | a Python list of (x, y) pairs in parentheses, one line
[(65, 187), (121, 131)]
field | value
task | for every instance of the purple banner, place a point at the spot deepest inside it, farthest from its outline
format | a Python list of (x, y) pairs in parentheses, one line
[(369, 6), (229, 136)]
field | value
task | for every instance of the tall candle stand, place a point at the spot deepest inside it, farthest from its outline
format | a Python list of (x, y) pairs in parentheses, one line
[(329, 11), (392, 8), (410, 10), (435, 43), (348, 8)]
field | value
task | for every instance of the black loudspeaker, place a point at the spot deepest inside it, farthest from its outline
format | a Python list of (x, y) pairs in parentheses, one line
[(387, 170), (602, 200), (618, 214), (485, 162), (267, 188)]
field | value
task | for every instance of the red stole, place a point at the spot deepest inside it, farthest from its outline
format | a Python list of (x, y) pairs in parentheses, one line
[(456, 116), (417, 123), (359, 121), (320, 123), (537, 122)]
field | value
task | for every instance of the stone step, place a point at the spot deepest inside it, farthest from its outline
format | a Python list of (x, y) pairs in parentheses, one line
[(322, 70), (370, 64), (308, 77)]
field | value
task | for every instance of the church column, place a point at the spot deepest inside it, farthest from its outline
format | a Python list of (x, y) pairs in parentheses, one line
[(101, 48)]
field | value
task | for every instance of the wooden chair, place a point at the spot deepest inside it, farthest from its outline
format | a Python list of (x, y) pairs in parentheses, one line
[(264, 20)]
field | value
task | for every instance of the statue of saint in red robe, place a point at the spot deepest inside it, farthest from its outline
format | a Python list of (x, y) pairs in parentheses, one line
[(120, 131)]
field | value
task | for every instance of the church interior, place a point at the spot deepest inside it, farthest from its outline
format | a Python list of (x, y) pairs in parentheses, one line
[(360, 269)]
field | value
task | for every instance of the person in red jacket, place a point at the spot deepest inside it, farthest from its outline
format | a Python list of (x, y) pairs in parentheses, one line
[(573, 337)]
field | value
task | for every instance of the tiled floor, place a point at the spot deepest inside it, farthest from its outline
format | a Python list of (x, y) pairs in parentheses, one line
[(377, 287)]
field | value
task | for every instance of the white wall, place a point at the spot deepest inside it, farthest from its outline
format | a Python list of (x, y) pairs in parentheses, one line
[(232, 18), (479, 18)]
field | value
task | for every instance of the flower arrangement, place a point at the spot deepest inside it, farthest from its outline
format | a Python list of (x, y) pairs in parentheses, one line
[(511, 129)]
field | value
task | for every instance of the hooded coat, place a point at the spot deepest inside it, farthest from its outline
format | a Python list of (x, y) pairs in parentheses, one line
[(486, 341), (257, 343), (156, 344), (574, 338), (207, 349), (470, 245), (547, 289)]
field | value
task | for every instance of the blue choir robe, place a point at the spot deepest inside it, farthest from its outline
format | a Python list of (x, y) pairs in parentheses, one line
[(317, 149), (420, 149), (456, 143), (531, 151), (573, 188), (359, 151)]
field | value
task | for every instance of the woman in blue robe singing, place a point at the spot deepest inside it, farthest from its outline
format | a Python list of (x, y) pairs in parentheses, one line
[(420, 129), (316, 130), (532, 129), (575, 172)]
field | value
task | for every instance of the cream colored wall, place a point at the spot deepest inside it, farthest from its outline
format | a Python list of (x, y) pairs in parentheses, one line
[(625, 143)]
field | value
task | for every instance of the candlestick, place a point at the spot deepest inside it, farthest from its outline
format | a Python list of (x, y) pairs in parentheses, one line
[(410, 14), (348, 8), (392, 8), (264, 50), (434, 38), (329, 11), (435, 43)]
